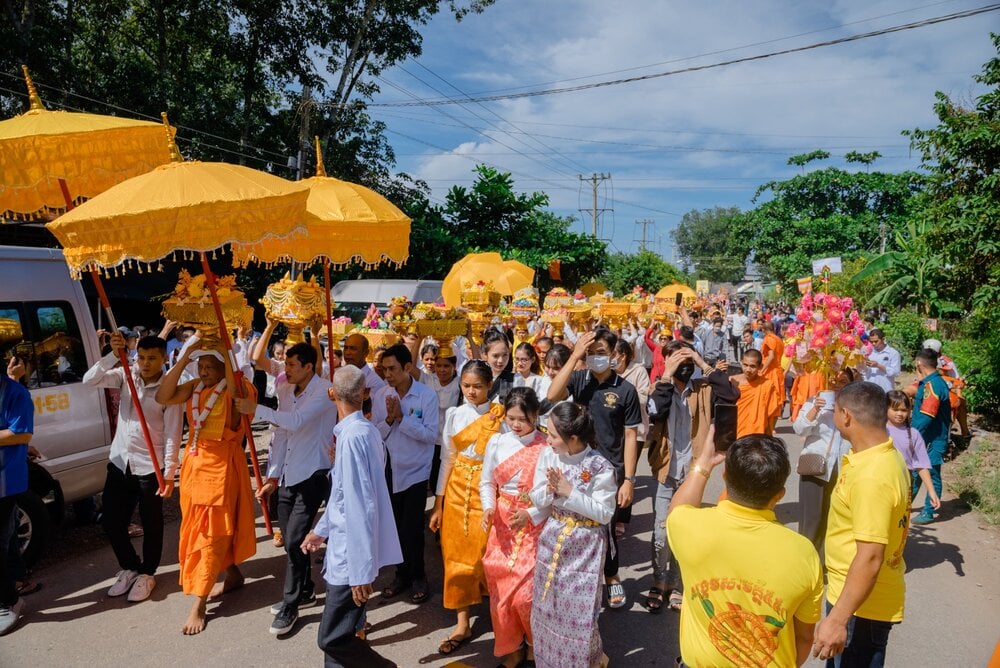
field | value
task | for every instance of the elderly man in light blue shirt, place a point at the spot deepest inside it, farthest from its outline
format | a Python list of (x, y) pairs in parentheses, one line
[(406, 415), (298, 467), (357, 526)]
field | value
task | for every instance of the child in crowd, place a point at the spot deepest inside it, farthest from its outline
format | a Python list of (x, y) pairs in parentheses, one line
[(509, 561), (577, 486), (458, 513), (909, 442), (527, 369)]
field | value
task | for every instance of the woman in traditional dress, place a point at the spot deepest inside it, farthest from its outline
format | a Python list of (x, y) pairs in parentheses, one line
[(509, 562), (458, 513), (577, 487)]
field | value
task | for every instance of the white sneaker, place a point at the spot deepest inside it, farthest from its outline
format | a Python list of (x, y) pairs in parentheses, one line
[(123, 583), (10, 615), (142, 588)]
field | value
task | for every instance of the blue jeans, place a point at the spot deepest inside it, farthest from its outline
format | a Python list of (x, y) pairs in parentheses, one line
[(935, 470), (866, 643), (665, 569)]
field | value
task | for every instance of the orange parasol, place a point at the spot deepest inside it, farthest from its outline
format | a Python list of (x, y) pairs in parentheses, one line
[(182, 207), (345, 223), (507, 276), (42, 152)]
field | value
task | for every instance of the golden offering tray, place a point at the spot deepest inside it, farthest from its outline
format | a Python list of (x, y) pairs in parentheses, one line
[(579, 316), (377, 338)]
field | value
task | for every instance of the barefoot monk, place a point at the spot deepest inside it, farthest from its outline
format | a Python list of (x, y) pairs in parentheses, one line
[(217, 514)]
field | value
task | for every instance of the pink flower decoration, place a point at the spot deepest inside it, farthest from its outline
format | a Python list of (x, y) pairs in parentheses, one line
[(846, 303), (819, 342), (832, 301), (807, 300), (848, 340), (820, 298), (792, 330), (859, 330), (834, 315), (803, 315)]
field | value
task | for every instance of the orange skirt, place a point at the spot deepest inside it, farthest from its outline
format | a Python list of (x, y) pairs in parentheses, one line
[(463, 540)]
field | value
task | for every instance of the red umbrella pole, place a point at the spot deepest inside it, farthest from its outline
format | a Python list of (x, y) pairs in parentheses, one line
[(238, 378), (329, 315), (122, 357)]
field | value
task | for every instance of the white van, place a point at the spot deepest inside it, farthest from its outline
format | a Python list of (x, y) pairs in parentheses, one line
[(354, 297), (45, 321)]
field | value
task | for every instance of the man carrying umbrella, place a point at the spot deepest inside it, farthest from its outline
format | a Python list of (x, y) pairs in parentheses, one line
[(217, 513)]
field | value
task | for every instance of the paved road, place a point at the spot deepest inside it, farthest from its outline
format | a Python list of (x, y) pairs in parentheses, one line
[(953, 607)]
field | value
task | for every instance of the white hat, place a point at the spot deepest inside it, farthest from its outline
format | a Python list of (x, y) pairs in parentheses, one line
[(933, 344)]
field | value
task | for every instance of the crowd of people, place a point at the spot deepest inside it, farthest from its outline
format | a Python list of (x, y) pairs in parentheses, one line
[(529, 445)]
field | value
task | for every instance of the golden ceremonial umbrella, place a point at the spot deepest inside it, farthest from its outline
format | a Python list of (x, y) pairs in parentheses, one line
[(671, 291), (507, 276), (50, 159), (345, 223), (186, 207), (593, 288)]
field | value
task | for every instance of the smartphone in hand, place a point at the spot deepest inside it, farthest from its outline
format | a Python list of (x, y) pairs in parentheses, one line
[(724, 419), (678, 298)]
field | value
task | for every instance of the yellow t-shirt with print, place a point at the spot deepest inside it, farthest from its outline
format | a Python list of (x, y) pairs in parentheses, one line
[(746, 578), (871, 503)]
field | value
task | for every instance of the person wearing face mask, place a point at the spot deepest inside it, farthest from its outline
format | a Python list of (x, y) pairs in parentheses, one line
[(614, 405), (680, 413)]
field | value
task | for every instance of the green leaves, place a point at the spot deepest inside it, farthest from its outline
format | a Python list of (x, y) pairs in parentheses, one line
[(709, 246), (644, 268)]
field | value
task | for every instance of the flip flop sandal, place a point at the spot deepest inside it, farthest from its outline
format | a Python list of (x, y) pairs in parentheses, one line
[(28, 587), (675, 601), (654, 600), (616, 590), (619, 530), (419, 594), (451, 644)]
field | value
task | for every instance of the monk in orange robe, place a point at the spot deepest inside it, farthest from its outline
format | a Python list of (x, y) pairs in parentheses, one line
[(760, 401), (807, 384), (217, 513), (772, 348)]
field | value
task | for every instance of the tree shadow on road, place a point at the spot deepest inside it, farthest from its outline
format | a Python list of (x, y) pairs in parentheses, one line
[(925, 550)]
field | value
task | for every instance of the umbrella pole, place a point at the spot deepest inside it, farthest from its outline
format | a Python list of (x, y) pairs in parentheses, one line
[(122, 358), (238, 378), (329, 315)]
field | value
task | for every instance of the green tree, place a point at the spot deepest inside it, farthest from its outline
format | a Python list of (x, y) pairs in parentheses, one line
[(825, 212), (962, 156), (708, 245), (911, 273), (645, 268)]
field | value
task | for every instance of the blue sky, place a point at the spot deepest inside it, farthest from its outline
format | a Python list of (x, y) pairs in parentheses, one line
[(682, 142)]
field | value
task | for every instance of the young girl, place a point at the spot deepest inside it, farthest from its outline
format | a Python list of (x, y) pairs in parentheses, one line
[(509, 562), (527, 369), (496, 354), (458, 512), (910, 444), (577, 486)]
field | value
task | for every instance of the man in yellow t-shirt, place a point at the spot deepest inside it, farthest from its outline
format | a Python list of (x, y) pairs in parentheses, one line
[(866, 532), (739, 608)]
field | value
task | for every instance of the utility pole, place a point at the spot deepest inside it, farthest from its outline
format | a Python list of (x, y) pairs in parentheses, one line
[(881, 234), (595, 180), (645, 223), (305, 110)]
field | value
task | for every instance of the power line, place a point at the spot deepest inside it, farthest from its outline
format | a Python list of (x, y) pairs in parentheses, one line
[(697, 68)]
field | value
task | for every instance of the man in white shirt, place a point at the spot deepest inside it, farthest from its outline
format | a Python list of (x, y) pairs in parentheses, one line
[(405, 412), (298, 466), (883, 364), (357, 526), (737, 323), (356, 354), (131, 480)]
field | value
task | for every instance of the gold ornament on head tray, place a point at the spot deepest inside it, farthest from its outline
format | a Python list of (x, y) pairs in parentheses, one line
[(191, 304), (296, 304), (480, 297)]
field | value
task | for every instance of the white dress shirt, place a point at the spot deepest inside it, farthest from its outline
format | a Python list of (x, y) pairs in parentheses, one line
[(534, 381), (889, 358), (821, 437), (500, 448), (303, 430), (410, 441), (358, 522), (597, 503), (165, 422)]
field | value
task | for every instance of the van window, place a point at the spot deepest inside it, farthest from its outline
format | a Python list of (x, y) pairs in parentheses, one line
[(46, 337)]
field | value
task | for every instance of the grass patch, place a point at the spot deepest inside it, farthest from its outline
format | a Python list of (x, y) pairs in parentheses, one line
[(977, 478)]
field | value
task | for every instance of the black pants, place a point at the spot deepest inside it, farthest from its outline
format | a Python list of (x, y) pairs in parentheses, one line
[(297, 506), (8, 529), (337, 632), (122, 493), (611, 558), (408, 511), (814, 506)]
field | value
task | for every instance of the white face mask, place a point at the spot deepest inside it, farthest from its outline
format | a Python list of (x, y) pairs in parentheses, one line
[(598, 363)]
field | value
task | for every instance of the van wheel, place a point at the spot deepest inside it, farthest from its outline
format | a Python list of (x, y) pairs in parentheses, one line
[(33, 526)]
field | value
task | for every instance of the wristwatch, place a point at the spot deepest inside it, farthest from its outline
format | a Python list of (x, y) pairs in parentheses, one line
[(630, 478)]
